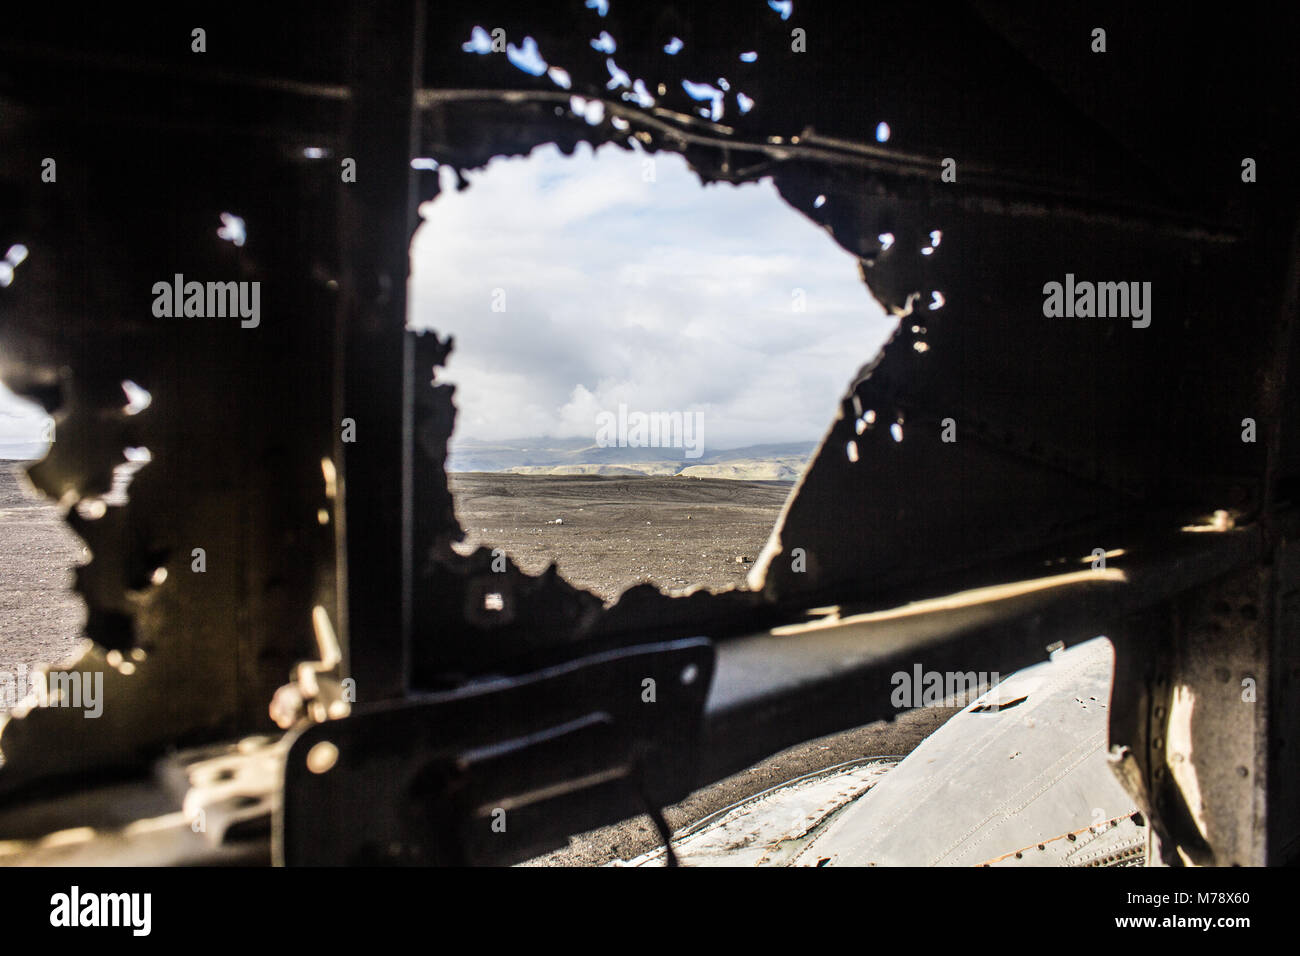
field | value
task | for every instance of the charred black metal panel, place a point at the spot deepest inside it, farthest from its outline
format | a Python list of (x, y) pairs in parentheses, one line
[(151, 148), (374, 365)]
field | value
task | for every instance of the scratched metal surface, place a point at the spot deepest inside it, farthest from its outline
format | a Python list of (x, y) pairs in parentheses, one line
[(1024, 764)]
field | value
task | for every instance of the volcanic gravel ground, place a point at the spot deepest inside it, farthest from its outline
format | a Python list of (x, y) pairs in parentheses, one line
[(675, 532), (40, 616)]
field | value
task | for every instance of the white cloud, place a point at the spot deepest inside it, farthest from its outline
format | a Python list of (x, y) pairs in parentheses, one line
[(22, 426), (663, 295)]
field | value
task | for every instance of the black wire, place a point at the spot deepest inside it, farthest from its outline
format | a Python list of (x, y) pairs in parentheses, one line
[(656, 815), (665, 834)]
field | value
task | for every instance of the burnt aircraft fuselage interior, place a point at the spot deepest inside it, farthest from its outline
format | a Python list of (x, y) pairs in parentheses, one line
[(1099, 355)]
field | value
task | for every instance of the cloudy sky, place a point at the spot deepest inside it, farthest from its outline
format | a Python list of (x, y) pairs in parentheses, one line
[(22, 425), (630, 283), (625, 283)]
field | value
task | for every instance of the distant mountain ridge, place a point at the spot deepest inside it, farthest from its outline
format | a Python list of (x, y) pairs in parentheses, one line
[(781, 461)]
